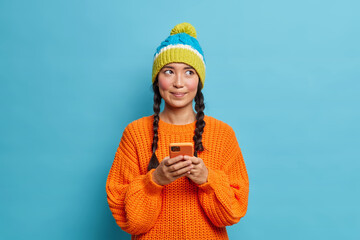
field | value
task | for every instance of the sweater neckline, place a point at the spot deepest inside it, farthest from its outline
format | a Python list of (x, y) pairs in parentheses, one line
[(174, 128)]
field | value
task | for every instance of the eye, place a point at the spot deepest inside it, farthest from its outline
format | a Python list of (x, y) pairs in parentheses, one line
[(190, 72), (167, 71)]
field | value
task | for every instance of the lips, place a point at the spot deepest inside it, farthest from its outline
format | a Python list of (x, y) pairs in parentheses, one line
[(178, 94)]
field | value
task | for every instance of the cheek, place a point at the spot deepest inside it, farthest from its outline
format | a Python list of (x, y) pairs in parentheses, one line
[(163, 84), (192, 85)]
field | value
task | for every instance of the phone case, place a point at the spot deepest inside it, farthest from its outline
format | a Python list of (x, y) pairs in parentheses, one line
[(185, 148)]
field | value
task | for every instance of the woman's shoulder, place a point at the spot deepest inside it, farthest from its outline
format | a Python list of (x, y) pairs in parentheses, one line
[(219, 130), (214, 123), (143, 120), (140, 124)]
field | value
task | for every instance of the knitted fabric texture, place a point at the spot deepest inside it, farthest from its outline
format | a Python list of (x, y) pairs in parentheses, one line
[(181, 46), (181, 209)]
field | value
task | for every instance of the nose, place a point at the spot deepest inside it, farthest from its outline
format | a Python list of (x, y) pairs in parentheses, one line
[(178, 83)]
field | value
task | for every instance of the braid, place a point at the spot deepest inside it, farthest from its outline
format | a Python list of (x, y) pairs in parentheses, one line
[(154, 162), (200, 123)]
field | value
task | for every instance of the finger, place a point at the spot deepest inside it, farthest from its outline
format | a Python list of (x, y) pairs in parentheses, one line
[(174, 160), (183, 175), (164, 161), (182, 171), (197, 161), (179, 165), (191, 172), (194, 160)]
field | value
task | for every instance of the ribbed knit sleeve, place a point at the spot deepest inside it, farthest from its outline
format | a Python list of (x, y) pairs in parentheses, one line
[(134, 199), (224, 197)]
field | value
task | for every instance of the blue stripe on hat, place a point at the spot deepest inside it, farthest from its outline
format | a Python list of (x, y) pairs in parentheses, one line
[(181, 38)]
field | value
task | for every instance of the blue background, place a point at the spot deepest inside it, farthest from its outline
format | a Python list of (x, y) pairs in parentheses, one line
[(284, 74)]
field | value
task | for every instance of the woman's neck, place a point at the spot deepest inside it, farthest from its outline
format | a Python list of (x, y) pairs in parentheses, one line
[(178, 116)]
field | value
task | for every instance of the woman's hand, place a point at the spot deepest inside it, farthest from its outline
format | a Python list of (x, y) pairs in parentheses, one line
[(199, 173), (171, 169)]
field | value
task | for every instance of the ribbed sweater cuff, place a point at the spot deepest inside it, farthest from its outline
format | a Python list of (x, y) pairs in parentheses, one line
[(152, 187)]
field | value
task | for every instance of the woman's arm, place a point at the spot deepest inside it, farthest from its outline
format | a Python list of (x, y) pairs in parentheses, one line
[(134, 199), (224, 197)]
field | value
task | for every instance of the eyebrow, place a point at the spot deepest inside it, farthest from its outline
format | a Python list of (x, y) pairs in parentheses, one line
[(167, 66)]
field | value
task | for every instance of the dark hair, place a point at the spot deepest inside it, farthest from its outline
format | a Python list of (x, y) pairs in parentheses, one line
[(200, 123)]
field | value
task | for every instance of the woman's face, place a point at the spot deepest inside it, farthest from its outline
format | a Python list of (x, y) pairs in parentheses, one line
[(178, 83)]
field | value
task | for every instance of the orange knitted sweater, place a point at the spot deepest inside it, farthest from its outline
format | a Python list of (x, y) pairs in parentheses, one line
[(181, 209)]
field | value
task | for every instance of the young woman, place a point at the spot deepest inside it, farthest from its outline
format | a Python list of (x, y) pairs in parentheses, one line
[(153, 196)]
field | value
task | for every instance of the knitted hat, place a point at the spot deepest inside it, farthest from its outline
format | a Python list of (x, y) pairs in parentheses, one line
[(181, 46)]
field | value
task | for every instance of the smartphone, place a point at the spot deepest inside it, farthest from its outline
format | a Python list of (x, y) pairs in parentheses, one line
[(185, 148)]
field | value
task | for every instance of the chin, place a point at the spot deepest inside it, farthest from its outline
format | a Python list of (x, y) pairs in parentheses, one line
[(179, 105)]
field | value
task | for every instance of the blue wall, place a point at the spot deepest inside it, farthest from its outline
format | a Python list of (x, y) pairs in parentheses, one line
[(284, 74)]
